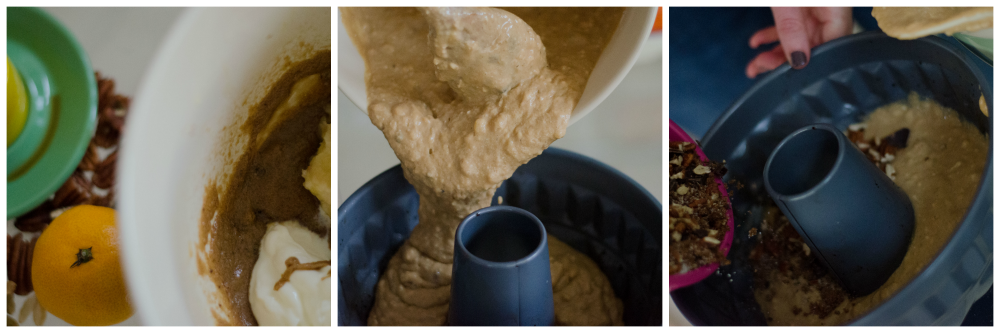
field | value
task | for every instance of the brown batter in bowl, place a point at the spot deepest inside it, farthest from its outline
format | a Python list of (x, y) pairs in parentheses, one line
[(266, 183)]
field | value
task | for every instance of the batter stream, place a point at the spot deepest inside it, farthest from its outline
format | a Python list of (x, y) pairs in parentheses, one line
[(464, 96)]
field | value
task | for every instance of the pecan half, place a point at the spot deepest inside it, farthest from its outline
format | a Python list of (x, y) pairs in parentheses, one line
[(106, 135), (10, 301), (29, 255), (14, 256), (105, 90), (75, 191), (107, 200), (7, 262), (18, 264), (35, 220), (104, 175), (114, 113), (111, 112), (89, 161), (19, 267)]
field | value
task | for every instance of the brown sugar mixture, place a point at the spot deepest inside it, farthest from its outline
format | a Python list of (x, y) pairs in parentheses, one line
[(698, 210), (266, 184)]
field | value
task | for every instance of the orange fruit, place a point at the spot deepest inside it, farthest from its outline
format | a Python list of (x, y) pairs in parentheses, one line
[(658, 21), (76, 270)]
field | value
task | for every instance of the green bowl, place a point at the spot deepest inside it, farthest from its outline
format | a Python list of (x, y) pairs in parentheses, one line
[(62, 107), (981, 47)]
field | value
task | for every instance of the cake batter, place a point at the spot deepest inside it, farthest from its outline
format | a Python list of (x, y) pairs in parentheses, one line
[(915, 22), (462, 110), (939, 170)]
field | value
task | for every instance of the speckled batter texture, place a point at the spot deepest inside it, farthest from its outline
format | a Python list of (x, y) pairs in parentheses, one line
[(456, 151), (939, 170)]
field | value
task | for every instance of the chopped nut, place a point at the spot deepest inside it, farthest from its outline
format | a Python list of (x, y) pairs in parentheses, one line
[(888, 158), (683, 208), (682, 190), (863, 146), (890, 171), (805, 248), (898, 139), (856, 136), (874, 154), (696, 210), (857, 127), (982, 105), (694, 226)]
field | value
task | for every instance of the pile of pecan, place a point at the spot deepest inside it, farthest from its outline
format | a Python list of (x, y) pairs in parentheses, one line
[(881, 151), (92, 183)]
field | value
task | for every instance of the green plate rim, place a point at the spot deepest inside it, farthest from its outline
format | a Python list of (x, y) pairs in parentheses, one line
[(74, 81)]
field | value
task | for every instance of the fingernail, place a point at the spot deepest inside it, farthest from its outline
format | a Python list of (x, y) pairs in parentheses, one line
[(798, 59)]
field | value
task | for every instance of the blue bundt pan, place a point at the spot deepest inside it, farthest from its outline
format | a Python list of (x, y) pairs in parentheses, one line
[(585, 203), (845, 80)]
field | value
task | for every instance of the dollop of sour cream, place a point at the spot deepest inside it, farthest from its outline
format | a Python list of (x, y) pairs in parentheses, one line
[(305, 298)]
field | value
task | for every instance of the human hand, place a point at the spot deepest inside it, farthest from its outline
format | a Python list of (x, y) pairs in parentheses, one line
[(798, 29)]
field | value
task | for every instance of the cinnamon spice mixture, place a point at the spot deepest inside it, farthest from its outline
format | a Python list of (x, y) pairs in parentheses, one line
[(698, 210)]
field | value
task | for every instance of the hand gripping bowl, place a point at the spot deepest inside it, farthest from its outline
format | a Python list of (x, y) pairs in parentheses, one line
[(583, 202), (847, 79)]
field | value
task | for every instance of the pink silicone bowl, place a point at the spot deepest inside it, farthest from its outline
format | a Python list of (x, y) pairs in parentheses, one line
[(700, 273)]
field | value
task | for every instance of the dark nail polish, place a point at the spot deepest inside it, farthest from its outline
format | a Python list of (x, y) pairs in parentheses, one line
[(798, 59)]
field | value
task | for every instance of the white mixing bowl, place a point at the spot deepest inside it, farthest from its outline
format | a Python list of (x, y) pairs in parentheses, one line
[(618, 57), (183, 132)]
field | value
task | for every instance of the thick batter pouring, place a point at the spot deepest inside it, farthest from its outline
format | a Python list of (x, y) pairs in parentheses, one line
[(462, 112)]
